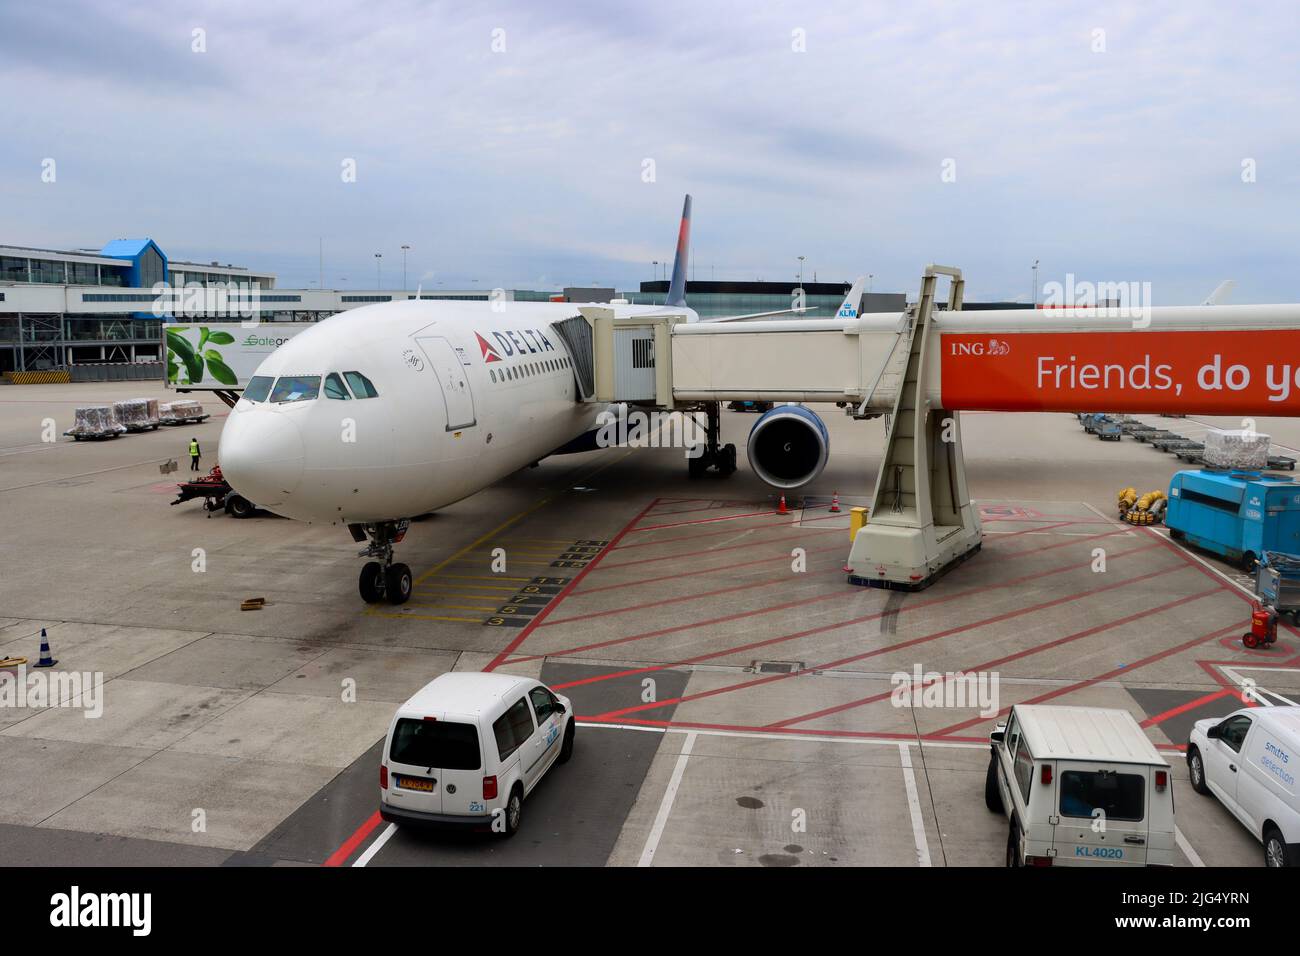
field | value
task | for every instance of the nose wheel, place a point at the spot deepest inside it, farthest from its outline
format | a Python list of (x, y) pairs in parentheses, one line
[(385, 579)]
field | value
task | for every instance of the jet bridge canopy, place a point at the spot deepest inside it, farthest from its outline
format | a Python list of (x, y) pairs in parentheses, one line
[(924, 365)]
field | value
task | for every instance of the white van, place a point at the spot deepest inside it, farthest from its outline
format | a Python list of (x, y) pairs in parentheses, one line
[(1080, 786), (469, 747), (1244, 759)]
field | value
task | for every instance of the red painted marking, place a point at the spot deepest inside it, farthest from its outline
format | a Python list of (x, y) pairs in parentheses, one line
[(564, 592), (1184, 708), (679, 524), (745, 728), (693, 596), (691, 554), (998, 662), (695, 572), (1049, 527), (816, 630), (1114, 672), (340, 856), (1034, 608), (786, 527)]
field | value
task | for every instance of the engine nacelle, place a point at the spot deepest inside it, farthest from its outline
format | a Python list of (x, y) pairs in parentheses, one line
[(789, 446)]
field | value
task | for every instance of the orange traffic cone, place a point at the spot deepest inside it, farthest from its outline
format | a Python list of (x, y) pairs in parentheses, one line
[(781, 508), (835, 502)]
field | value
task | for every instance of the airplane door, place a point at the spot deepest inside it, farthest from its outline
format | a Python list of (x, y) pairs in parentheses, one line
[(447, 366)]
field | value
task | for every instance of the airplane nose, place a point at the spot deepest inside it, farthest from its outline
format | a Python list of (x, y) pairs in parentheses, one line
[(261, 455)]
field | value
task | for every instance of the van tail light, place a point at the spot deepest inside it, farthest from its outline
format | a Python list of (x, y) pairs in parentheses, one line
[(1046, 778), (383, 777), (1162, 779), (489, 788), (1038, 861)]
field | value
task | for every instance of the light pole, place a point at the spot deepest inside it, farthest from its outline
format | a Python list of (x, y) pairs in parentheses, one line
[(655, 263), (404, 250), (1035, 288), (379, 283), (870, 276), (801, 258)]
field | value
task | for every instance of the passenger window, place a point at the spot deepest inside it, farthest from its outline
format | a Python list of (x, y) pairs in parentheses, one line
[(259, 386), (1234, 731), (543, 703), (296, 388), (334, 387), (513, 728), (360, 385)]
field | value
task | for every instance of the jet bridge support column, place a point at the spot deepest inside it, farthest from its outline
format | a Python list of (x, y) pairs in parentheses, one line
[(921, 522)]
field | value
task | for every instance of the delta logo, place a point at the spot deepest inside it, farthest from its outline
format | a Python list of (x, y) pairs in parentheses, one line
[(489, 353)]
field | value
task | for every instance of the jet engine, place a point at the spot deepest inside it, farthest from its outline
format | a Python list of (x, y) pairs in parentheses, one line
[(788, 446)]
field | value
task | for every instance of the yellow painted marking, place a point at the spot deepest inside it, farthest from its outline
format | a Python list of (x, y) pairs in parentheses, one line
[(429, 617), (482, 577), (450, 589), (373, 609), (456, 607)]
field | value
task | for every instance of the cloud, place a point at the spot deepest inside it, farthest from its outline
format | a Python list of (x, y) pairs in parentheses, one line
[(506, 166)]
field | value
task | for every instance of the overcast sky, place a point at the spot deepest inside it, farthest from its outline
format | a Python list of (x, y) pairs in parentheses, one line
[(1106, 140)]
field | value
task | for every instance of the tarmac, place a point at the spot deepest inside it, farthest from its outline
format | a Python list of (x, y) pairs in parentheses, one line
[(733, 690)]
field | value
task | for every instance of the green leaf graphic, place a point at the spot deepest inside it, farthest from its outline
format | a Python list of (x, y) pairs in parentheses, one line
[(220, 371), (221, 338)]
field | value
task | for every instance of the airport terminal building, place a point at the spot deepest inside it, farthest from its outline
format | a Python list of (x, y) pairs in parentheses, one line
[(84, 313)]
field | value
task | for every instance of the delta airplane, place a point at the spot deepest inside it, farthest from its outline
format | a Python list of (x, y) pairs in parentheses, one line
[(390, 411)]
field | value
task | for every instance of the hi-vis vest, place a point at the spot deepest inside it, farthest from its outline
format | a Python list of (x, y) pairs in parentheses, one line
[(194, 448)]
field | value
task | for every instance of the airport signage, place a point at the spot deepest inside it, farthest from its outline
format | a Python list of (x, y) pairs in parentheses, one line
[(222, 356), (1255, 372)]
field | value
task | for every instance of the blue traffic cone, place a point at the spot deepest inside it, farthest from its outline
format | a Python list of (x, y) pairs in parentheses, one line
[(46, 659)]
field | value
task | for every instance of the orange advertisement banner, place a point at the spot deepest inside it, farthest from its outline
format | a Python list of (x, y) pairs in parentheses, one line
[(1205, 372)]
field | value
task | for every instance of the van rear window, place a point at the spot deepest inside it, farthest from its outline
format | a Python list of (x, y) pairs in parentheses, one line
[(1121, 796), (440, 744)]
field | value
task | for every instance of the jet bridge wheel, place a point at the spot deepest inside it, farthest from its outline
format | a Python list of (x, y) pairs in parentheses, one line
[(372, 582)]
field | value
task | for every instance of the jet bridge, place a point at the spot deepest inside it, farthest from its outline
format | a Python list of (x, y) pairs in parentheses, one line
[(923, 365)]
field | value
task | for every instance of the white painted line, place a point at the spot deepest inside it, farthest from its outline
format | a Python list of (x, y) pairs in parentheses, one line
[(812, 738), (914, 805), (375, 847), (1192, 856), (666, 805)]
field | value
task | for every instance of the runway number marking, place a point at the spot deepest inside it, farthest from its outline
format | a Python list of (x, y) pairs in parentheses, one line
[(533, 597)]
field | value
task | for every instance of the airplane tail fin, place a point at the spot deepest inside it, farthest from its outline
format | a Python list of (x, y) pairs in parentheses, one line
[(677, 287), (1221, 292), (853, 301)]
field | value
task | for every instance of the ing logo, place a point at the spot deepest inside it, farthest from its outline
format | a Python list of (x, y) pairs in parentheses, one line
[(991, 347)]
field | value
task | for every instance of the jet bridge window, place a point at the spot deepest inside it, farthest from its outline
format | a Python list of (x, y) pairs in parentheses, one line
[(361, 386), (259, 386), (296, 388), (334, 387)]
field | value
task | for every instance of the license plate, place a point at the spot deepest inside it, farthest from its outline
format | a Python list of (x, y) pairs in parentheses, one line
[(415, 783)]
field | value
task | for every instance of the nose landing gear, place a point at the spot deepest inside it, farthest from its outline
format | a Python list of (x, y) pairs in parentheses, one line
[(383, 580)]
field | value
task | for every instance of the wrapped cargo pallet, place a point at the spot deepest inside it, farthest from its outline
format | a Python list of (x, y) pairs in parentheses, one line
[(95, 421), (182, 410), (1237, 449), (133, 414)]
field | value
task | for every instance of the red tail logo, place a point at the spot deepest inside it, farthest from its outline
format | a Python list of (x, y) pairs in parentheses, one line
[(489, 353)]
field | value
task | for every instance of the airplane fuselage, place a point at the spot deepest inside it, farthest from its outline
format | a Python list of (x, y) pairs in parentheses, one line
[(464, 393)]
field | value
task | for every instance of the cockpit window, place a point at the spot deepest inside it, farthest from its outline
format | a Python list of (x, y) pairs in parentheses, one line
[(296, 388), (334, 387), (361, 386), (258, 387)]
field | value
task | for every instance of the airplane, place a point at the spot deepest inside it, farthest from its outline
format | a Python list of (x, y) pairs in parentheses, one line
[(395, 410)]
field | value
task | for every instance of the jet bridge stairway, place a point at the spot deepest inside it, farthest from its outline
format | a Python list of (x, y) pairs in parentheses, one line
[(922, 522)]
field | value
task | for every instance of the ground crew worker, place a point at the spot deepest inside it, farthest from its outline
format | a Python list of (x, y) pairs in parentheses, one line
[(194, 454)]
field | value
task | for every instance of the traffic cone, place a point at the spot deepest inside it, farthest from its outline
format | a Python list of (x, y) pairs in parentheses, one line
[(835, 502), (46, 659), (781, 508)]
